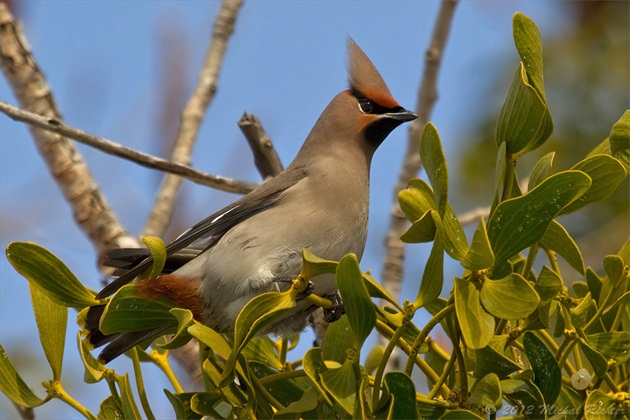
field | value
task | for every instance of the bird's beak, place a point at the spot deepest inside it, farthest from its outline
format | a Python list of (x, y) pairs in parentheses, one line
[(402, 116)]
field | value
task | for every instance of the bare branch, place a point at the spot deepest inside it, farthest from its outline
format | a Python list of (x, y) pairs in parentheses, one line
[(26, 413), (427, 95), (90, 208), (320, 326), (192, 116), (473, 216), (266, 158), (268, 163), (54, 125), (188, 358)]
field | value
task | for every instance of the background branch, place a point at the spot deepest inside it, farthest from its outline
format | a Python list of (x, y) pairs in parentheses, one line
[(26, 413), (54, 125), (192, 115), (90, 209), (266, 158), (427, 95), (269, 165), (473, 216)]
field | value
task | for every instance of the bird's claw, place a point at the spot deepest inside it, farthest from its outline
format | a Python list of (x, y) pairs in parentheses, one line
[(301, 295), (306, 292), (334, 313)]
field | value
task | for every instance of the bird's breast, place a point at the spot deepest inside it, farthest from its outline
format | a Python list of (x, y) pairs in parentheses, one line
[(318, 213)]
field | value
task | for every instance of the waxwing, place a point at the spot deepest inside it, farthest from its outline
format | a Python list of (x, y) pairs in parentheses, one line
[(319, 202)]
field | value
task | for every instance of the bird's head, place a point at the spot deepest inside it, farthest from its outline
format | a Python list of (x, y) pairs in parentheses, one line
[(379, 113), (361, 116)]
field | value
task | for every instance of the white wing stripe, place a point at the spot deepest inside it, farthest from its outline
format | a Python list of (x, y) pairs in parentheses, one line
[(223, 214)]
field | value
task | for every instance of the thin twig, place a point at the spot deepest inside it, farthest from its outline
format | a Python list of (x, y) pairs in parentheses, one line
[(320, 327), (192, 115), (473, 216), (188, 358), (26, 413), (427, 95), (266, 158), (90, 208), (54, 125), (268, 164)]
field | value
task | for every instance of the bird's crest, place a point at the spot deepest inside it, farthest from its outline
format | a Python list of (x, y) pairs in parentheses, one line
[(365, 79)]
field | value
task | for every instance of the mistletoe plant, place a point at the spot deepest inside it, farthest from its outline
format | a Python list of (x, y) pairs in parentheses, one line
[(527, 341)]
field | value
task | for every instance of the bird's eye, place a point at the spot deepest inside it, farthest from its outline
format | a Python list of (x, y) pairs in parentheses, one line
[(366, 106)]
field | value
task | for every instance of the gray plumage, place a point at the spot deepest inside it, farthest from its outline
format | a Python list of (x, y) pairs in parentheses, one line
[(320, 202)]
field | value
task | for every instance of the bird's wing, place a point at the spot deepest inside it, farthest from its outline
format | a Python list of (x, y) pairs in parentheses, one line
[(203, 235)]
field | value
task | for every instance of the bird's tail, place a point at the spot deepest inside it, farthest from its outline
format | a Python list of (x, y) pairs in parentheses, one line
[(117, 343), (181, 292)]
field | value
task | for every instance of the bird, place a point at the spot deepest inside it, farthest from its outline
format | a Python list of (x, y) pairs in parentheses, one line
[(319, 203)]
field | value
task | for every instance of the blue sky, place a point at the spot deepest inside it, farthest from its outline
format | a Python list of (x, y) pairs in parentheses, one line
[(284, 63)]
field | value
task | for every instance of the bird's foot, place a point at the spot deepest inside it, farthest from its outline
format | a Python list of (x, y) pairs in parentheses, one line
[(303, 294), (334, 313)]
